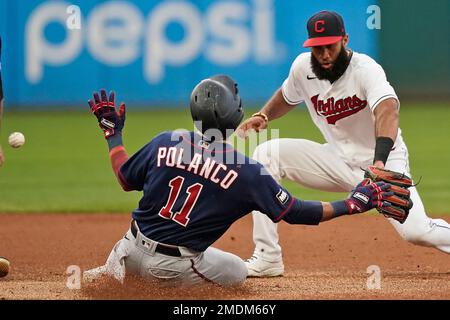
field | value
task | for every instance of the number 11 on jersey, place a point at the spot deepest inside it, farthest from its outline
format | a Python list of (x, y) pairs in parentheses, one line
[(181, 217)]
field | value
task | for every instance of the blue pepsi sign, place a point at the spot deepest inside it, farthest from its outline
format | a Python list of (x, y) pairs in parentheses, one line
[(154, 52)]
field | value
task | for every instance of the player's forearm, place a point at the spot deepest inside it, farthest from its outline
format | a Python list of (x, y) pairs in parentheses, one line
[(117, 154), (314, 212), (334, 209), (386, 128), (276, 107), (387, 119)]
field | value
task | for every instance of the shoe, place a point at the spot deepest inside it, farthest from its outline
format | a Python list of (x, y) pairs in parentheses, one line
[(257, 267)]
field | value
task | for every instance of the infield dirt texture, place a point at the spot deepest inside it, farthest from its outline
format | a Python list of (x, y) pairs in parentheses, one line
[(60, 205), (326, 262)]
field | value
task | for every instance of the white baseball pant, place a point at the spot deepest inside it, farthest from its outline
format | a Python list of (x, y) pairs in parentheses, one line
[(138, 256), (317, 166)]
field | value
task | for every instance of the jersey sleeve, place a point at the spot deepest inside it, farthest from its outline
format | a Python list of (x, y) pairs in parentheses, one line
[(376, 86), (268, 196), (290, 87), (133, 172)]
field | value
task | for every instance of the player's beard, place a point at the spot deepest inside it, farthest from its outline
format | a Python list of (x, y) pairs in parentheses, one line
[(334, 73)]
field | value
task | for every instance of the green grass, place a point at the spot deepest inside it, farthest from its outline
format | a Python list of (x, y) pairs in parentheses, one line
[(64, 165)]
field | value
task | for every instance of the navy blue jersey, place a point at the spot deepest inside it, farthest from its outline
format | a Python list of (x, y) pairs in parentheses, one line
[(193, 191)]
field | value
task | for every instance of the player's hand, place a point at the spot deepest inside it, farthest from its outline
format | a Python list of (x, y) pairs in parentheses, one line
[(109, 120), (2, 157), (254, 123), (379, 164), (368, 195)]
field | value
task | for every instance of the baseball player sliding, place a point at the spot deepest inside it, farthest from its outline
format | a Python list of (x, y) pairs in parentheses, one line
[(195, 185), (357, 111)]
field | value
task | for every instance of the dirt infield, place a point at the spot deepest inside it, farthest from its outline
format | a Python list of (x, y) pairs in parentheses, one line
[(325, 262)]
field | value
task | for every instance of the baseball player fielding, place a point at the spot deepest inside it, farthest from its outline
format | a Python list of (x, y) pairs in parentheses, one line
[(356, 109)]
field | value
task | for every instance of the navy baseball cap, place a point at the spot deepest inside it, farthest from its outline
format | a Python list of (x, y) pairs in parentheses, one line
[(324, 28)]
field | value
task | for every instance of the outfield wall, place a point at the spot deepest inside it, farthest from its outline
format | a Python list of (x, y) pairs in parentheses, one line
[(415, 47), (154, 52)]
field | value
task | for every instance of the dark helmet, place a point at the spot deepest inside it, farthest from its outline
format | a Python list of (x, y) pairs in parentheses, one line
[(216, 103)]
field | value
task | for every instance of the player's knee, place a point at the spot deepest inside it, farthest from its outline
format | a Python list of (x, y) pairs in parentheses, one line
[(432, 234), (262, 152), (238, 275), (241, 275), (416, 236), (267, 155)]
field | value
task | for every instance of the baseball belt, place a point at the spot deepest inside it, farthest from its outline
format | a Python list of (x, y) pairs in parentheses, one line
[(160, 248)]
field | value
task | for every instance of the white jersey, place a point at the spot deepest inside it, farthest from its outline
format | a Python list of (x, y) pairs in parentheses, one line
[(343, 111)]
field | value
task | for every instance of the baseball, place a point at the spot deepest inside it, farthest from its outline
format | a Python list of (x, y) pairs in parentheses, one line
[(16, 139), (4, 267)]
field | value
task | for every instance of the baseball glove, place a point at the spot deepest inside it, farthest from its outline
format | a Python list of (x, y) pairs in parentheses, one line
[(399, 204)]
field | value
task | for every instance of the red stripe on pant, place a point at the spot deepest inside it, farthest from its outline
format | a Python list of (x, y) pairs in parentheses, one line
[(200, 274)]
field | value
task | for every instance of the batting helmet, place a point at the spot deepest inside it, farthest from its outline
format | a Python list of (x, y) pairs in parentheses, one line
[(215, 104)]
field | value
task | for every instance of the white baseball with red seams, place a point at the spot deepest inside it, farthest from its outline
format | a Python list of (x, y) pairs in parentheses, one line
[(16, 139), (344, 113)]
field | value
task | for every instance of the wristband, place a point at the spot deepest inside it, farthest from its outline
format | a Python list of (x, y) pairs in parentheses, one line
[(340, 208), (383, 147), (115, 140), (262, 115)]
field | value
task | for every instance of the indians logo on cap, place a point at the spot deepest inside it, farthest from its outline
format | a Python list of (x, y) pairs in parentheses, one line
[(324, 28)]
